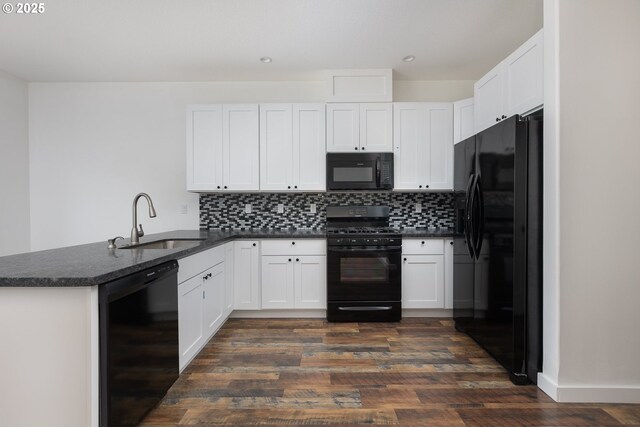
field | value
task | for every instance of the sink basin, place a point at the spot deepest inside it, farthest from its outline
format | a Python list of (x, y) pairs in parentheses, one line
[(165, 244)]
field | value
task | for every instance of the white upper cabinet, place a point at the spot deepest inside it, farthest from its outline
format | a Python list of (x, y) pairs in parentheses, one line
[(423, 145), (204, 147), (276, 146), (343, 127), (309, 147), (360, 127), (488, 95), (222, 147), (463, 126), (241, 147), (376, 127), (524, 71), (514, 86), (292, 147)]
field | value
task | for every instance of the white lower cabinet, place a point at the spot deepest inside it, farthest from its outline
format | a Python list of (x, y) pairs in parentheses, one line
[(246, 272), (425, 267), (294, 274), (213, 299), (228, 278)]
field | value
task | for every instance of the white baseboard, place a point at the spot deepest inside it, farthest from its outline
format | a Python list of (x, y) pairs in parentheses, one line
[(274, 314), (588, 393), (426, 312)]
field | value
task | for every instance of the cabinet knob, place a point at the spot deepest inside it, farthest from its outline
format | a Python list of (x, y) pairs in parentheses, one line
[(225, 187), (451, 242), (426, 186), (419, 186), (218, 187), (497, 119), (254, 244), (405, 259), (356, 148), (362, 148), (504, 117), (295, 186), (423, 242), (289, 259), (293, 243), (289, 187), (297, 259)]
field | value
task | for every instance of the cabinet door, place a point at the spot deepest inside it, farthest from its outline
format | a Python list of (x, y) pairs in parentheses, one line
[(343, 128), (448, 273), (409, 139), (228, 278), (241, 147), (276, 158), (310, 278), (440, 146), (524, 71), (190, 320), (309, 147), (214, 302), (462, 120), (204, 148), (376, 127), (488, 99), (246, 278), (423, 281), (277, 281)]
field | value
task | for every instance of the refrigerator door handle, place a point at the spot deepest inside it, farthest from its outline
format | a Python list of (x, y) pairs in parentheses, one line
[(478, 238), (468, 216)]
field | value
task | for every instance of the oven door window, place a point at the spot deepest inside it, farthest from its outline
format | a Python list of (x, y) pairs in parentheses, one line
[(364, 270)]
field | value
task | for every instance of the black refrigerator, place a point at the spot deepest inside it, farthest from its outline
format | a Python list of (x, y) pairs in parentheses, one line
[(497, 295)]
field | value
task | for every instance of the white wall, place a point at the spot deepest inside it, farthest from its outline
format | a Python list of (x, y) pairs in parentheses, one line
[(93, 146), (14, 166), (596, 117)]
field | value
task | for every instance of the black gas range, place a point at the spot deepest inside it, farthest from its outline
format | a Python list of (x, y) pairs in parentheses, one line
[(363, 265)]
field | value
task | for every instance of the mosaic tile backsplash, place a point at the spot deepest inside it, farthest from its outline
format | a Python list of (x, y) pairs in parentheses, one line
[(227, 211)]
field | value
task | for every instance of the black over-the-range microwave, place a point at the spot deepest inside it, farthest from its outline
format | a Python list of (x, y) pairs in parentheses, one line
[(359, 171)]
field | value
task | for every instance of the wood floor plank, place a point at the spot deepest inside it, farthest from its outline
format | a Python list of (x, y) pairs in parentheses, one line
[(418, 372)]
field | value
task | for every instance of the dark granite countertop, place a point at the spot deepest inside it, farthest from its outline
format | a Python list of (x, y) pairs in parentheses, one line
[(93, 264)]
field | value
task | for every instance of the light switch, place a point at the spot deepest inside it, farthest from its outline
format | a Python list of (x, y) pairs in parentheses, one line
[(280, 208), (247, 208), (184, 209), (312, 208), (418, 207)]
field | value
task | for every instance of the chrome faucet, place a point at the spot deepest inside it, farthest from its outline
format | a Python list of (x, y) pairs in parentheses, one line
[(135, 232)]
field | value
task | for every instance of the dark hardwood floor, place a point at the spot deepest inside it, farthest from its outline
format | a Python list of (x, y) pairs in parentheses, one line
[(416, 372)]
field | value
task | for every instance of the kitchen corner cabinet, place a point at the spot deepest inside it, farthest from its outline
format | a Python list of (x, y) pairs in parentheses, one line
[(514, 86), (201, 301), (423, 145), (294, 274), (292, 147), (353, 127), (246, 272), (425, 267), (463, 126), (222, 147)]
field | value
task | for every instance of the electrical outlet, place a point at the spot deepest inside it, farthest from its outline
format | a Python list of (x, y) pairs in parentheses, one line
[(280, 208), (184, 209), (312, 208), (418, 207), (247, 208)]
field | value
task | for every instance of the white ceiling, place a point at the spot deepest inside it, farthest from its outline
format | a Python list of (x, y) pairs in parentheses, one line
[(203, 40)]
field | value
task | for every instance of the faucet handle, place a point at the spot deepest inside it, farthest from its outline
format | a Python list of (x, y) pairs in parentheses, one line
[(140, 230), (112, 242)]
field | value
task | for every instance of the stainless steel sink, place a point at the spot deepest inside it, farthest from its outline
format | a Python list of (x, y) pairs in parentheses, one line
[(165, 244)]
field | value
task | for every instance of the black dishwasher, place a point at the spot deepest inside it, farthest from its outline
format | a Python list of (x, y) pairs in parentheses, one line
[(138, 343)]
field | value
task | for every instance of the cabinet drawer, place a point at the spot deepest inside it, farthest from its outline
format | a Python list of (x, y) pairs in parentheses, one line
[(423, 246), (294, 247), (194, 264)]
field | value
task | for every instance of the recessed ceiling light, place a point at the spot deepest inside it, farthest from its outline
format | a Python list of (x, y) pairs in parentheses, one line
[(266, 59), (408, 58)]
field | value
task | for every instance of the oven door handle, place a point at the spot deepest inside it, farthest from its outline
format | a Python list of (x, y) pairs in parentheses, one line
[(372, 308), (378, 172), (391, 249)]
